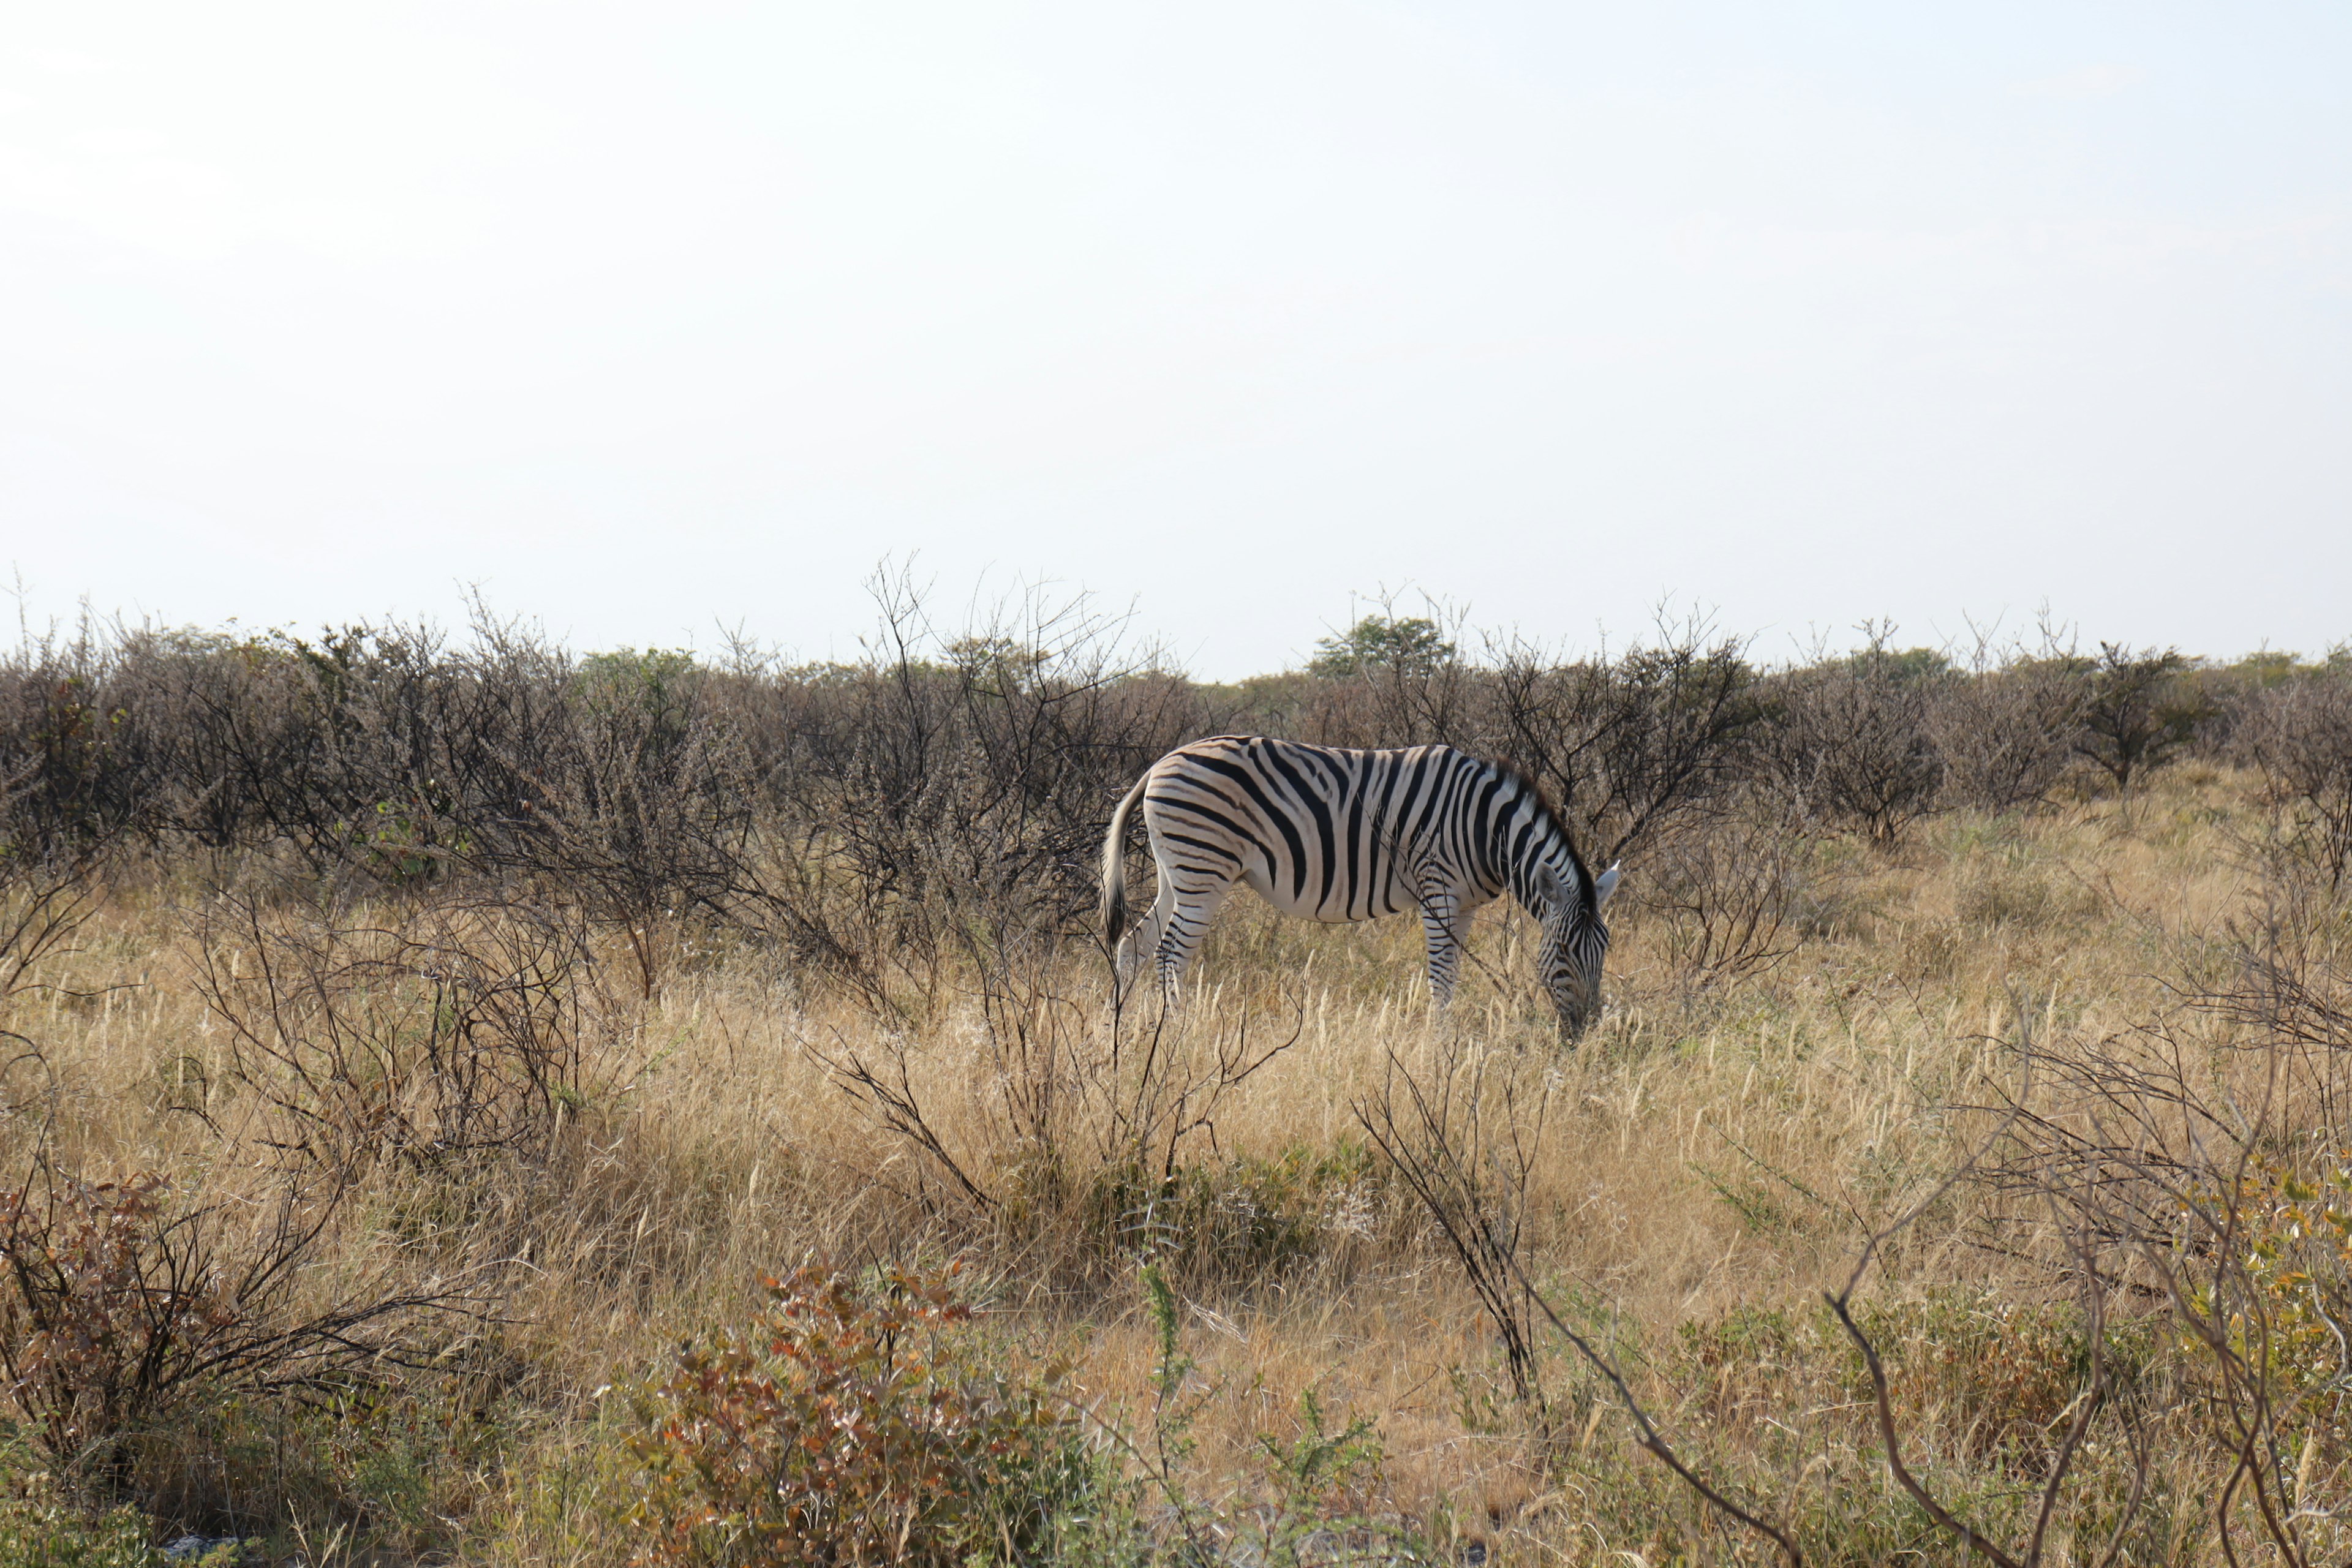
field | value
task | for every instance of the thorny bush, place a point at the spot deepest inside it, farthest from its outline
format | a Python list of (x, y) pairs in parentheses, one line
[(422, 1032), (2005, 728), (2299, 735), (1853, 740)]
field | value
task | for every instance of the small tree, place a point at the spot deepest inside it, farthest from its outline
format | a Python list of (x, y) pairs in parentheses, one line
[(2136, 715), (1406, 645), (1636, 747)]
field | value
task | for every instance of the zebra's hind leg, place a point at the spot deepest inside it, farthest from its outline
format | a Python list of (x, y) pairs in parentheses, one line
[(1195, 900), (1141, 945)]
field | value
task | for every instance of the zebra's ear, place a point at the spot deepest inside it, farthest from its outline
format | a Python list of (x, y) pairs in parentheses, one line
[(1606, 885), (1547, 886)]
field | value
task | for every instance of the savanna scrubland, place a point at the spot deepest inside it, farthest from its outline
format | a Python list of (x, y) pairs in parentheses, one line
[(469, 1101)]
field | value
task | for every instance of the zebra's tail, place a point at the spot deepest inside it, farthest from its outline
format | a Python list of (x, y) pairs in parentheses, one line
[(1114, 864)]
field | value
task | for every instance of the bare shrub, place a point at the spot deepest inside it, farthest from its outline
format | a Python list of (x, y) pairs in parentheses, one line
[(2299, 734), (643, 811), (428, 1033), (959, 779), (1731, 889), (1853, 739), (122, 1304), (1392, 679), (75, 764), (1633, 746), (1466, 1146), (2005, 728), (1629, 744), (289, 1255), (417, 754), (370, 747), (1064, 1100), (2257, 1062)]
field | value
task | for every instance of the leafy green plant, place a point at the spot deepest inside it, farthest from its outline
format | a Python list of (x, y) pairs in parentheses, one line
[(1326, 1484), (855, 1421), (40, 1527), (1174, 1408), (2281, 1296)]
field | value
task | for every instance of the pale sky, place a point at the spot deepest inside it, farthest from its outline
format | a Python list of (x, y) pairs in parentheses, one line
[(648, 318)]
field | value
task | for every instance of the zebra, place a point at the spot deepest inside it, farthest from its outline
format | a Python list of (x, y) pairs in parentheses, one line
[(1339, 836)]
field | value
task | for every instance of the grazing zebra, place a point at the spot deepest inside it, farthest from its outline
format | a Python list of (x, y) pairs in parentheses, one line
[(1353, 836)]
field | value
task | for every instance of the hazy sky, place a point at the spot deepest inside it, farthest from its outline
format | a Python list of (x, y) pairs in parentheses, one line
[(647, 318)]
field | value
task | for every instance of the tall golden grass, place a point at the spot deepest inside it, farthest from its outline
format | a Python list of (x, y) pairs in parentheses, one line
[(1713, 1156)]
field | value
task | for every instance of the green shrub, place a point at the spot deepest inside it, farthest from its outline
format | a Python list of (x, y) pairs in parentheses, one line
[(395, 1462), (2282, 1294), (851, 1422), (41, 1528)]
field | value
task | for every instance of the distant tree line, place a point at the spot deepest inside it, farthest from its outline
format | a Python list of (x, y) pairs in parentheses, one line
[(841, 807)]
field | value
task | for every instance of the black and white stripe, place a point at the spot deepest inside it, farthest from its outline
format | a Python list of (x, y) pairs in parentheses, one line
[(1352, 836)]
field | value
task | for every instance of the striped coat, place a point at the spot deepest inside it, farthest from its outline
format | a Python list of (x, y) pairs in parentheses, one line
[(1335, 836)]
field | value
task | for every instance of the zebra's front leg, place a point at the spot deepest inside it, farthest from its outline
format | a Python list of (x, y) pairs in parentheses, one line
[(1441, 922)]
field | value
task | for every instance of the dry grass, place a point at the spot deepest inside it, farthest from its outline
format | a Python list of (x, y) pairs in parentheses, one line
[(1714, 1156)]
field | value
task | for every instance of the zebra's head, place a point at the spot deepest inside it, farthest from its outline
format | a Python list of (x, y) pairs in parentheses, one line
[(1575, 940)]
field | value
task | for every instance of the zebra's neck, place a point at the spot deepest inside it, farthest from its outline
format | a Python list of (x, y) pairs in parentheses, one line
[(1533, 840)]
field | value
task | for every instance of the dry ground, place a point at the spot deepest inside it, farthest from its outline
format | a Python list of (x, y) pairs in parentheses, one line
[(1711, 1157)]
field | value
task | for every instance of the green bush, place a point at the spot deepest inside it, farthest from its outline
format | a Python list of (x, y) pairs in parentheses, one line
[(41, 1528)]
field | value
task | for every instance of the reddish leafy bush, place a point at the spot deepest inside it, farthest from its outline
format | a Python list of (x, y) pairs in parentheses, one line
[(850, 1424), (122, 1307), (95, 1336)]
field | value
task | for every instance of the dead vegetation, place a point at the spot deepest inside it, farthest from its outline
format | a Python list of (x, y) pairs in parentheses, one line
[(410, 1044)]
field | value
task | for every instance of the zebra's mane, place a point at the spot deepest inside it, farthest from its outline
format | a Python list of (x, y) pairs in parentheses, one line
[(1527, 780)]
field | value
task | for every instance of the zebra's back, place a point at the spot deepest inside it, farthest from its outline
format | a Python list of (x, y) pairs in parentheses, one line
[(1320, 832)]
